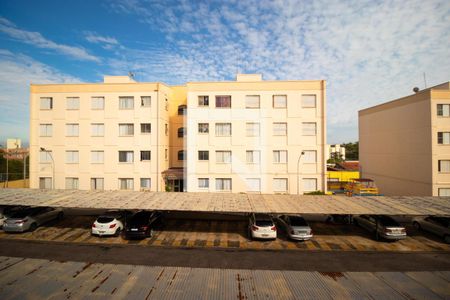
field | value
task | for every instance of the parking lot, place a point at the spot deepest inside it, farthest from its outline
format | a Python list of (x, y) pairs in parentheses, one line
[(226, 233)]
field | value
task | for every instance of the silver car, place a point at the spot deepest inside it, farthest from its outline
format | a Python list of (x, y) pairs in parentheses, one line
[(296, 227), (381, 226), (7, 211), (437, 225), (31, 218)]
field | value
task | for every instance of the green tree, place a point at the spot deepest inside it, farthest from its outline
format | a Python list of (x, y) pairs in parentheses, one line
[(351, 151)]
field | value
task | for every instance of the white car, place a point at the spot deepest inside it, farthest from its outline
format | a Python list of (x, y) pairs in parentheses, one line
[(261, 226), (296, 227), (109, 224)]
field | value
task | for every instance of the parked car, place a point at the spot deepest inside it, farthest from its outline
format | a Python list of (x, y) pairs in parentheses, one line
[(261, 226), (7, 211), (296, 227), (142, 224), (31, 218), (381, 226), (437, 225), (110, 223)]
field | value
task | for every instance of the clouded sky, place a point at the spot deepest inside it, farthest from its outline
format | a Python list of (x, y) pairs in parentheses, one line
[(368, 51)]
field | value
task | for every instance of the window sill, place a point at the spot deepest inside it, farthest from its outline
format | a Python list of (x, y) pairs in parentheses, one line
[(72, 136), (97, 163), (72, 163), (97, 109), (223, 135), (146, 133), (45, 136), (125, 163), (97, 136), (145, 160)]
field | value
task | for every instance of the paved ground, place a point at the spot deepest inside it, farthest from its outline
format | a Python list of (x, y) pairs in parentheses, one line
[(43, 279), (233, 234)]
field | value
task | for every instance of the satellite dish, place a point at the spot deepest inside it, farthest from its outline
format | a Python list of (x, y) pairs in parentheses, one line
[(416, 89), (131, 74)]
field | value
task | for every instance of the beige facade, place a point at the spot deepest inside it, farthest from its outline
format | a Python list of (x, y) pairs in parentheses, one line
[(121, 134), (404, 145)]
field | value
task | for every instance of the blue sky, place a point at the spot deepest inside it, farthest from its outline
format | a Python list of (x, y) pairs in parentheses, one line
[(368, 51)]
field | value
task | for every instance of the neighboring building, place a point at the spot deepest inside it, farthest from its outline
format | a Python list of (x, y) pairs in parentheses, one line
[(244, 135), (404, 144), (13, 143), (337, 151)]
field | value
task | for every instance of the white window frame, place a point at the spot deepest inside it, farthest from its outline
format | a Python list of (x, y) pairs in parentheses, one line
[(220, 129), (97, 183), (126, 129), (72, 156), (253, 129), (46, 103), (444, 166), (129, 157), (280, 185), (309, 156), (72, 183), (127, 183), (443, 110), (253, 156), (279, 101), (45, 157), (223, 157), (97, 129), (307, 129), (444, 192), (150, 155), (126, 102), (202, 127), (146, 101), (143, 125), (72, 103), (97, 103), (223, 183), (445, 140), (309, 101), (308, 184), (145, 183), (253, 184), (202, 99), (45, 130), (252, 101), (279, 128), (97, 156), (45, 182), (280, 156), (203, 183), (72, 129)]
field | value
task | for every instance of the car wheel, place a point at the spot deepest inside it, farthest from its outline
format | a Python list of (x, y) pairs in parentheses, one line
[(151, 233), (250, 237), (417, 226), (117, 233), (377, 236), (33, 227), (447, 239), (355, 222)]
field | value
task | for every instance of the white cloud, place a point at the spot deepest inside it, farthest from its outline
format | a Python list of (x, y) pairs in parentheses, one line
[(369, 52), (17, 71), (37, 40), (106, 41)]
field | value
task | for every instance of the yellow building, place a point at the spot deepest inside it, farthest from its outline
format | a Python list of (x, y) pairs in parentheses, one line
[(404, 145), (239, 136)]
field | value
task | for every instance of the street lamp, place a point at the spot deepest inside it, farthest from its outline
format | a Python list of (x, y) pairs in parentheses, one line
[(53, 165), (298, 170)]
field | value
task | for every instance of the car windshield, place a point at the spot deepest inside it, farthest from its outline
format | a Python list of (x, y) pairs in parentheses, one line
[(22, 214), (105, 219), (297, 221), (139, 218), (264, 223), (387, 221)]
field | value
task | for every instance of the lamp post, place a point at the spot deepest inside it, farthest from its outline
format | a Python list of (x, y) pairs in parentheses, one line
[(53, 165), (298, 171)]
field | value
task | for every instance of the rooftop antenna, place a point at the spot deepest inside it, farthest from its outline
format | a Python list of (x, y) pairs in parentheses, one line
[(425, 79), (131, 74)]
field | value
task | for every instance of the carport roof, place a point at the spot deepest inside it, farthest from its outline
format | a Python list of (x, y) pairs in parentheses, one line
[(228, 203)]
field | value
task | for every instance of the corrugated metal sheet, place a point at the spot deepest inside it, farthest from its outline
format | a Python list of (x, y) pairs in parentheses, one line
[(228, 203)]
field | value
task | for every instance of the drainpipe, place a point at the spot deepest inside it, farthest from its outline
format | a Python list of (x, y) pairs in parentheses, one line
[(157, 138)]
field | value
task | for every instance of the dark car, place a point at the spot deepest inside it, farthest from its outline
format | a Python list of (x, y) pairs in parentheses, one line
[(142, 224)]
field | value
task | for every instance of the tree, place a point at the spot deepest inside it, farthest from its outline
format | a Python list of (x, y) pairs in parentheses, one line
[(351, 151), (335, 157)]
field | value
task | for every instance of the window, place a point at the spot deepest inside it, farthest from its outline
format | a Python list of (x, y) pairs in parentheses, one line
[(203, 155), (253, 156), (443, 110), (279, 101), (223, 129), (280, 129), (146, 155), (97, 157), (146, 183), (181, 155), (444, 138), (280, 184), (253, 184), (166, 104), (444, 192), (280, 156), (126, 102), (166, 129), (71, 183), (308, 101), (146, 128), (126, 156), (182, 110), (46, 103), (45, 182), (98, 103), (72, 129), (97, 183), (309, 184), (252, 101), (223, 157), (252, 129), (97, 129), (309, 156), (73, 103), (444, 166), (203, 183), (203, 100), (45, 157), (166, 155), (126, 129), (203, 127), (45, 129), (146, 101), (223, 101), (126, 183), (181, 132), (223, 184), (72, 157), (309, 128)]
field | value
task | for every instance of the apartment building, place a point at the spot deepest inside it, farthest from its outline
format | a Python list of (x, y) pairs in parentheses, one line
[(247, 135), (404, 144)]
